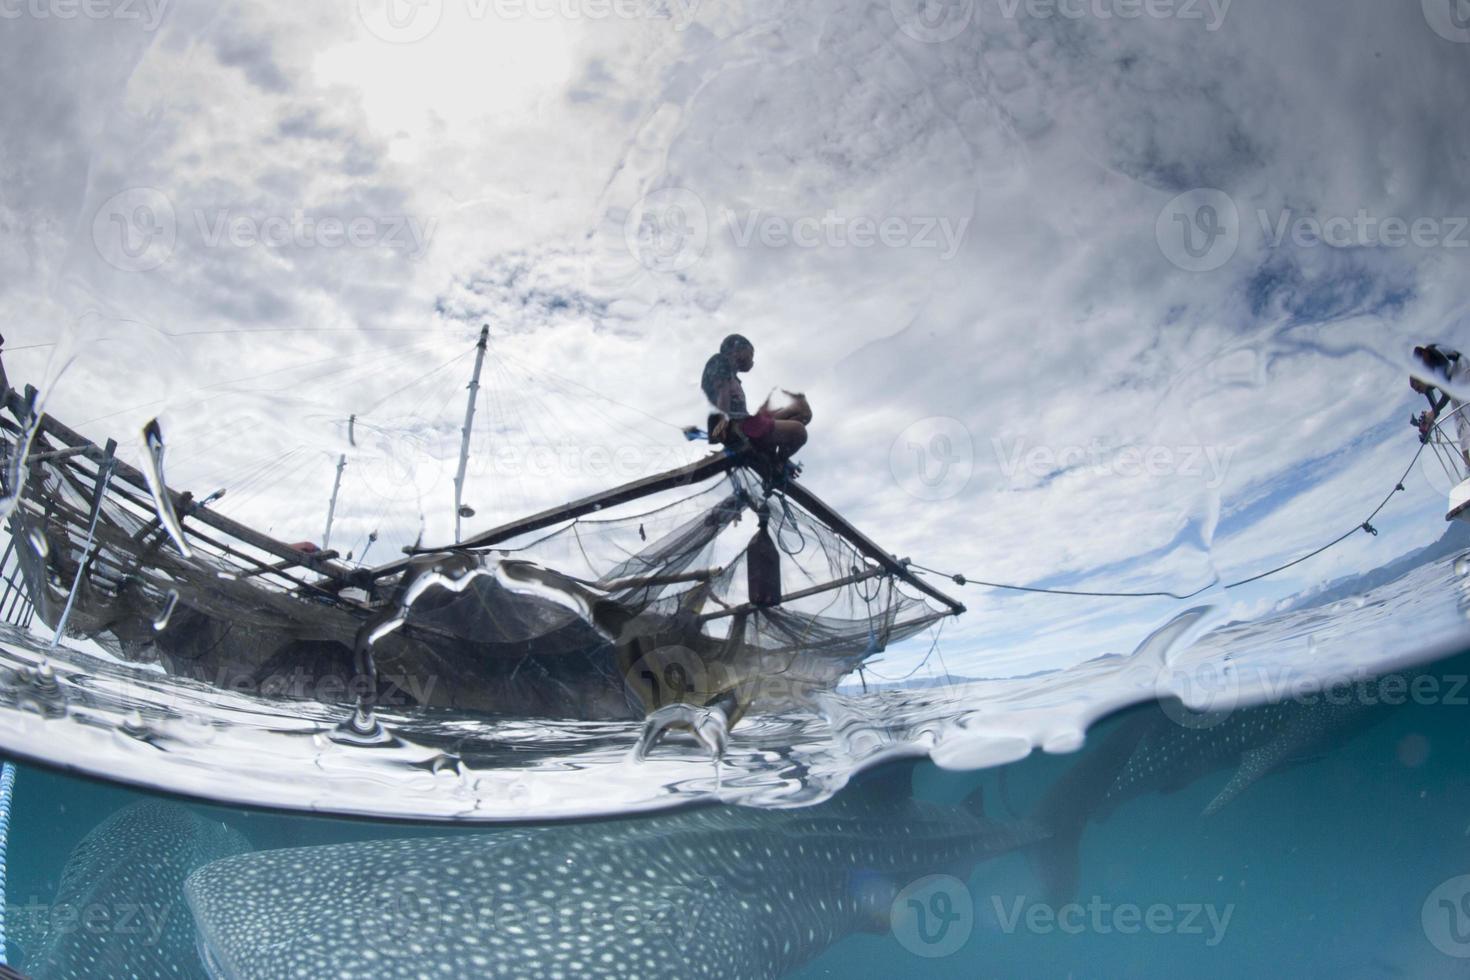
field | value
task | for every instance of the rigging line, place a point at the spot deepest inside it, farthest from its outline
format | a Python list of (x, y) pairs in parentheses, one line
[(450, 391), (353, 369), (540, 417), (247, 498), (250, 488), (499, 414), (223, 433), (416, 381), (961, 579), (294, 488), (252, 330), (593, 392), (544, 414), (933, 646), (562, 389), (484, 448), (251, 377), (809, 627), (1366, 525), (244, 475)]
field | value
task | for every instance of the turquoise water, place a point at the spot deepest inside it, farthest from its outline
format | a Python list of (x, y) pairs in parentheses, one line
[(1322, 869), (1284, 795)]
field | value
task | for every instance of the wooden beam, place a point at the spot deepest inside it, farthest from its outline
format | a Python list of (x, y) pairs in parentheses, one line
[(712, 465), (750, 607), (643, 581), (219, 522), (819, 509), (281, 566), (54, 455)]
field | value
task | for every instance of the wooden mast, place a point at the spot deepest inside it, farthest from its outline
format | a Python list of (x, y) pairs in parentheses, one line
[(469, 423), (332, 505)]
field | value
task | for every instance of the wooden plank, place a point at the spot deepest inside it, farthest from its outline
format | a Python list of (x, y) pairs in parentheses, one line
[(825, 514), (59, 454), (281, 566), (750, 607), (219, 522), (712, 465), (643, 581), (71, 472)]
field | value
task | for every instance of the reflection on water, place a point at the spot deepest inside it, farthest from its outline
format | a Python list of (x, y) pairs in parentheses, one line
[(1322, 834), (97, 715)]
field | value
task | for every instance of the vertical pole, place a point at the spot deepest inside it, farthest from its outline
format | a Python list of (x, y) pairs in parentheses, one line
[(105, 469), (7, 791), (469, 421), (332, 506)]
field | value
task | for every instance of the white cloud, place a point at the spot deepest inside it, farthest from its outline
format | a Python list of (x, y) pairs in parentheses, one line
[(519, 149)]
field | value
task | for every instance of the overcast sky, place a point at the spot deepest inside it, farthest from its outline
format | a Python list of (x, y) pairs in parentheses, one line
[(1052, 274)]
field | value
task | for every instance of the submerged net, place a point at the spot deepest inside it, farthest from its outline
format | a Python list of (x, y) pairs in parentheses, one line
[(716, 589)]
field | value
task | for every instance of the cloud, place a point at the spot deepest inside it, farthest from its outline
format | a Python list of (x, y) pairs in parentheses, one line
[(966, 231)]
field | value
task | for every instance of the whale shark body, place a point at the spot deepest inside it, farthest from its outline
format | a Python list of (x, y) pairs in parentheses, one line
[(119, 909), (1163, 748), (720, 893)]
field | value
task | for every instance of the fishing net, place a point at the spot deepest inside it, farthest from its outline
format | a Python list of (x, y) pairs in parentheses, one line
[(724, 587)]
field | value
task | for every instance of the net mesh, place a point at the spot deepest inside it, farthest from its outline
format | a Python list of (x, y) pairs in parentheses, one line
[(664, 599)]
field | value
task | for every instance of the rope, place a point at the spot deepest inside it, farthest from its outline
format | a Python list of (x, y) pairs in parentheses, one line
[(529, 369), (7, 789), (1366, 526), (788, 517), (416, 381)]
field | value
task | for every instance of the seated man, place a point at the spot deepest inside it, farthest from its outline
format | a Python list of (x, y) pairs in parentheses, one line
[(1448, 366), (780, 431)]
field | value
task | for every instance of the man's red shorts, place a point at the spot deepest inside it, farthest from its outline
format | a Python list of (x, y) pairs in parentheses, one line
[(758, 426)]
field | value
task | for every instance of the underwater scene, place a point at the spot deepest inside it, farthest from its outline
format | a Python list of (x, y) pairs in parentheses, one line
[(731, 488), (1321, 835)]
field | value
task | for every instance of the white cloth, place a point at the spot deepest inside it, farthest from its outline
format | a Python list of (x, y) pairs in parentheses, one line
[(1458, 373)]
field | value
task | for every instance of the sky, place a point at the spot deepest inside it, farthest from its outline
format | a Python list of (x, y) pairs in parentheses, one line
[(1096, 294)]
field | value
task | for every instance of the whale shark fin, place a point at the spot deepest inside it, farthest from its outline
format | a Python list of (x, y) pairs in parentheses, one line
[(1076, 798), (1253, 765), (890, 782), (975, 801)]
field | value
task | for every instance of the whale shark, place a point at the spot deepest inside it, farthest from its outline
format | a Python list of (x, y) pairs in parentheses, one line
[(118, 910), (1162, 747), (711, 892)]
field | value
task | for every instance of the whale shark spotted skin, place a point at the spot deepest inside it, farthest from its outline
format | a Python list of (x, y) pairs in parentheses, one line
[(119, 910), (717, 893), (1155, 749)]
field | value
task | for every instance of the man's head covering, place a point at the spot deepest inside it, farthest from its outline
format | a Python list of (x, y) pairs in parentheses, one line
[(1432, 357), (733, 343)]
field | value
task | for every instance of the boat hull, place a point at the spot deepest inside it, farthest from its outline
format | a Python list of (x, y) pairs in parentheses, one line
[(1459, 508)]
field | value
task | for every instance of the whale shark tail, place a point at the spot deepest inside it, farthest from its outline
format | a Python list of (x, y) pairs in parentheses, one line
[(1078, 797)]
